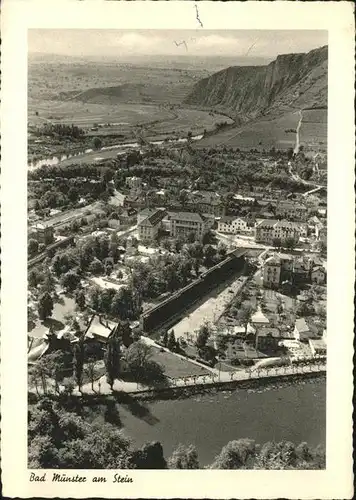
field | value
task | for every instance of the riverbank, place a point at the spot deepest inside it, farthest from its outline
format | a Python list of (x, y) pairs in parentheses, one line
[(110, 149), (251, 385)]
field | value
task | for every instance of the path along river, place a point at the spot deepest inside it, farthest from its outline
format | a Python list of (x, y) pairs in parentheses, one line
[(277, 412)]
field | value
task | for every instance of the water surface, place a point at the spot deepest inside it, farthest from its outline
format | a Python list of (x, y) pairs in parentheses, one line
[(295, 412)]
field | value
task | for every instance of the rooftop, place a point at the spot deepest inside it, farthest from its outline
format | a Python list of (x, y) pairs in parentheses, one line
[(317, 344), (187, 216), (259, 317), (302, 325), (266, 331), (230, 218), (99, 328), (153, 218)]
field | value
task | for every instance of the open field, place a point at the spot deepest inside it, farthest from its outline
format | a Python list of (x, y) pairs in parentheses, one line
[(53, 79), (175, 367), (313, 132), (125, 118), (268, 133), (120, 115), (120, 100)]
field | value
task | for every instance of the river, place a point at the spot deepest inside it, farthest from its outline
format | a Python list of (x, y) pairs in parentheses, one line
[(105, 152), (288, 412)]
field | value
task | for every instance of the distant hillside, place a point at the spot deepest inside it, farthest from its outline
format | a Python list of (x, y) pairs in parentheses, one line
[(292, 81)]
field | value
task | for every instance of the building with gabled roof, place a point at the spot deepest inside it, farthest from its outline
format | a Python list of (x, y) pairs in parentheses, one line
[(269, 230), (99, 329), (149, 226), (233, 225), (208, 202)]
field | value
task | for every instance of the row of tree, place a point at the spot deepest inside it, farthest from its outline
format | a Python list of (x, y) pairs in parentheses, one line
[(74, 364)]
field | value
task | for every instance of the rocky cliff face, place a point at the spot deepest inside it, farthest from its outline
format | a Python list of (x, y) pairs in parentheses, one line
[(292, 81)]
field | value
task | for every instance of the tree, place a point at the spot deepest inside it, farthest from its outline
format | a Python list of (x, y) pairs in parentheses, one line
[(184, 457), (70, 281), (94, 299), (69, 386), (97, 142), (208, 353), (31, 317), (290, 153), (277, 242), (235, 455), (108, 266), (222, 250), (112, 359), (245, 314), (280, 455), (34, 278), (172, 343), (80, 299), (45, 306), (143, 369), (96, 267), (73, 194), (202, 337), (209, 255), (78, 362), (59, 439), (49, 284), (221, 344), (32, 246), (290, 243), (90, 367), (165, 338), (150, 456), (322, 247), (209, 238), (56, 363)]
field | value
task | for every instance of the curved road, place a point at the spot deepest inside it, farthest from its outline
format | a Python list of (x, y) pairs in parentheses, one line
[(297, 137)]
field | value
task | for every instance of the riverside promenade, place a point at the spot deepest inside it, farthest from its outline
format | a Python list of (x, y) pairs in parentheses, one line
[(218, 379)]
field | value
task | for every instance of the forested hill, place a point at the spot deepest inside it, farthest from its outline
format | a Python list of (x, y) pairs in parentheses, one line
[(292, 81)]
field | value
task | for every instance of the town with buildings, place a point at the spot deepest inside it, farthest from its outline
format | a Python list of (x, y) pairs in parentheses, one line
[(173, 266)]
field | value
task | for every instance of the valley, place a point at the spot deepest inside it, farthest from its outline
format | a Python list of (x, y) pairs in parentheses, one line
[(246, 107)]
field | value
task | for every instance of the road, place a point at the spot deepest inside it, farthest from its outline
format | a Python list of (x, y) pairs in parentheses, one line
[(240, 241), (102, 387), (296, 178), (297, 139)]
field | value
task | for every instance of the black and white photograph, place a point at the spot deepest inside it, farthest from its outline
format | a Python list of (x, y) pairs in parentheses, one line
[(177, 257), (177, 246)]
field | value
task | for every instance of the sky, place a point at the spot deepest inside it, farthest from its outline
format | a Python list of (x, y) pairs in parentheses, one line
[(126, 43)]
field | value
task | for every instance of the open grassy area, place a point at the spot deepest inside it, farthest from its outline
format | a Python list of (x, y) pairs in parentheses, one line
[(268, 133), (176, 367)]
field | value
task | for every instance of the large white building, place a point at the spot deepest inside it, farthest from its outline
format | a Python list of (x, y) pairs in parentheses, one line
[(234, 225), (269, 230)]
